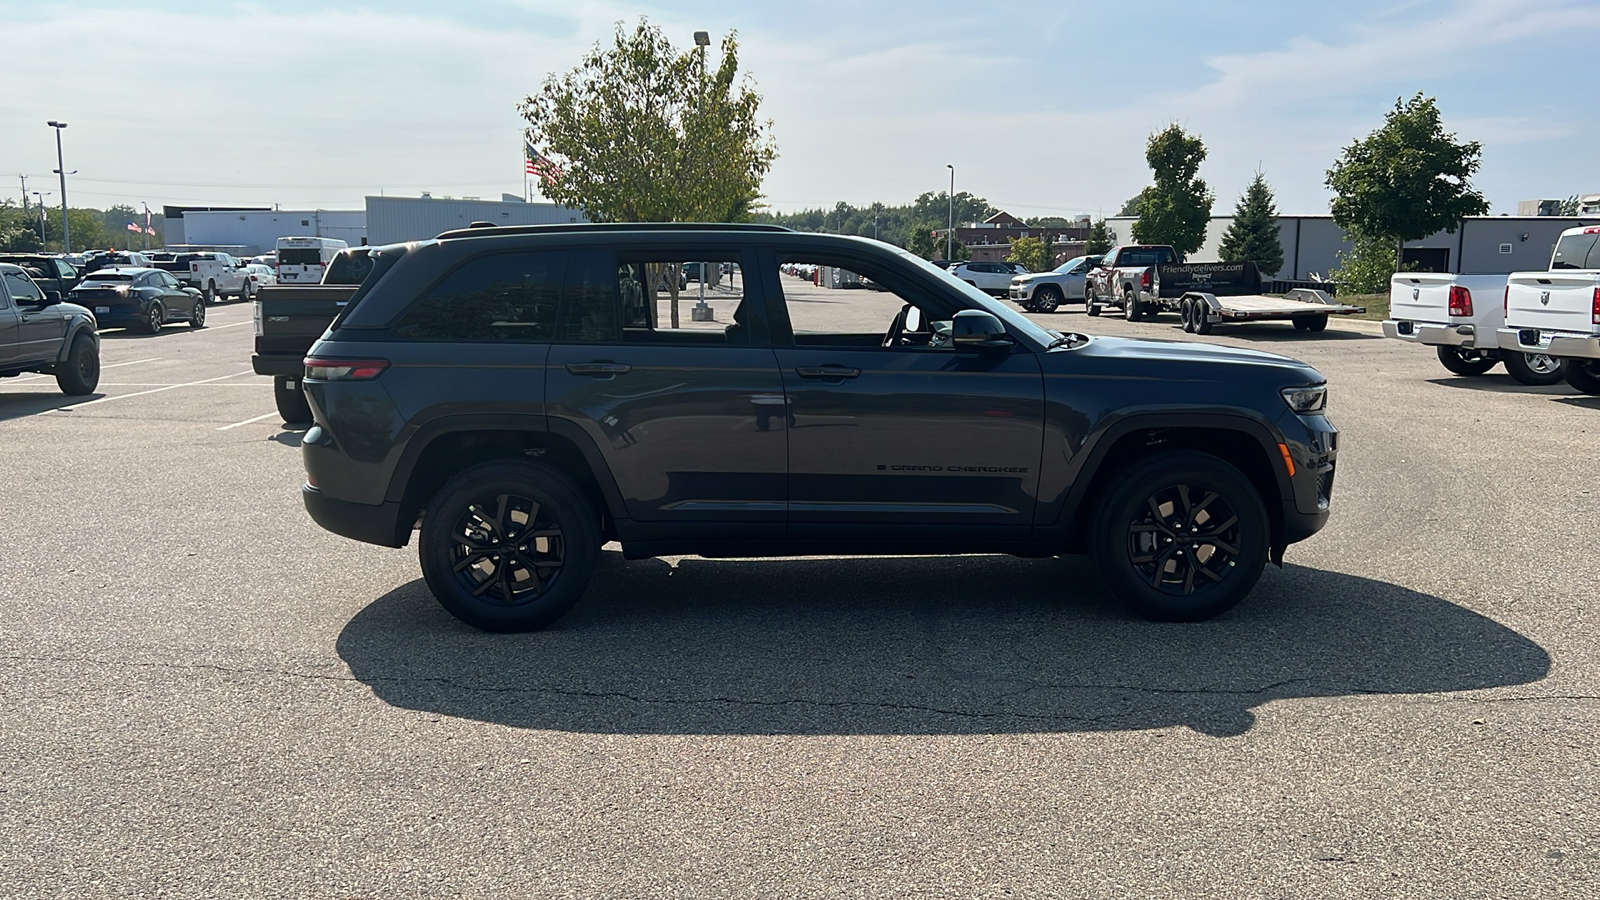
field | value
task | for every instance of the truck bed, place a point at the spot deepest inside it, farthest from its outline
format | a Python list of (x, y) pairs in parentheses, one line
[(289, 319)]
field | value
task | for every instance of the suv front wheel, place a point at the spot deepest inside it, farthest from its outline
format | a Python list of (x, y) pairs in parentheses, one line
[(509, 546), (1180, 536)]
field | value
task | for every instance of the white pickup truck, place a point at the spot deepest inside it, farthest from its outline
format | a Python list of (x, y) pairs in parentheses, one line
[(1558, 312), (1457, 314)]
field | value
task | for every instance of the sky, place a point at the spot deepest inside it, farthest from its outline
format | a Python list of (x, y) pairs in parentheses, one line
[(1042, 107)]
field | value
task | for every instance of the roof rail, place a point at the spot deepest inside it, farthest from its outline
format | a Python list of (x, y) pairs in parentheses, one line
[(485, 230)]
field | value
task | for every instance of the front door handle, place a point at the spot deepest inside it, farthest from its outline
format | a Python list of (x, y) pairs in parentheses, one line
[(826, 372), (599, 369)]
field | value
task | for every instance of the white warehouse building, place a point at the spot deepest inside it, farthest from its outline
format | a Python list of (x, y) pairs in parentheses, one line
[(385, 220)]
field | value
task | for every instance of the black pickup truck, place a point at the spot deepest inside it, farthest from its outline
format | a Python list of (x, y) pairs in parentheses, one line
[(290, 318), (41, 333)]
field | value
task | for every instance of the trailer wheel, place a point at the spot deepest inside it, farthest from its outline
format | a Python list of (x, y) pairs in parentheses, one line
[(1186, 313), (1317, 323), (1202, 322)]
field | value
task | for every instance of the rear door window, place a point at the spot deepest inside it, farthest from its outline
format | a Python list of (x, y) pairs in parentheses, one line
[(497, 297)]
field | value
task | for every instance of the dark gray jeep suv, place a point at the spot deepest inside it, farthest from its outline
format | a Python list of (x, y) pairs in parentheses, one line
[(524, 395)]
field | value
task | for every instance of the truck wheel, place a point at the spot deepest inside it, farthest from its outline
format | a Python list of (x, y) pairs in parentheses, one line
[(1535, 369), (1091, 308), (291, 400), (1047, 299), (247, 292), (1180, 536), (1584, 375), (1464, 362), (1130, 305), (80, 373), (211, 292), (509, 546)]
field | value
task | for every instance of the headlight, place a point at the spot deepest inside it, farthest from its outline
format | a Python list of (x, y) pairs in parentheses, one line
[(1306, 400)]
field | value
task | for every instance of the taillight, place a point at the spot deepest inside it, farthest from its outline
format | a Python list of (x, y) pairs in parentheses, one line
[(1594, 310), (1144, 279), (1460, 301), (344, 369)]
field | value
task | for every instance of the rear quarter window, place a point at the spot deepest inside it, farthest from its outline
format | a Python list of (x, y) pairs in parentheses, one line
[(497, 297)]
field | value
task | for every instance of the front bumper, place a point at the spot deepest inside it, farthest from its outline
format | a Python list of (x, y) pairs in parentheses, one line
[(1432, 334), (1557, 344)]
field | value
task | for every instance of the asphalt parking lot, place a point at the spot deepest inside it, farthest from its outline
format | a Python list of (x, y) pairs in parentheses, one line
[(205, 695)]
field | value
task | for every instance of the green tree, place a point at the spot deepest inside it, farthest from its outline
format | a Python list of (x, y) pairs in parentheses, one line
[(1569, 206), (1032, 252), (1253, 236), (88, 229), (1407, 179), (927, 241), (1134, 205), (641, 132), (1177, 207), (1367, 267), (1099, 238), (1050, 222)]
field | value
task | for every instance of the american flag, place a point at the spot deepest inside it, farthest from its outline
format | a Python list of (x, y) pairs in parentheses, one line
[(536, 163), (134, 228), (147, 227)]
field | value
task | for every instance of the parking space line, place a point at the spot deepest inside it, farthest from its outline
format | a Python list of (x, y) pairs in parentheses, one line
[(154, 390), (102, 368), (247, 421)]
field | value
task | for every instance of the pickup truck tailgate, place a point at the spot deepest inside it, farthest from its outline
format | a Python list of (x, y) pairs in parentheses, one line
[(1553, 301), (1422, 296)]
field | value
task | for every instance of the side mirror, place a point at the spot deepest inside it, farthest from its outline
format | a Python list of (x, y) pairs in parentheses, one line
[(976, 329), (51, 298)]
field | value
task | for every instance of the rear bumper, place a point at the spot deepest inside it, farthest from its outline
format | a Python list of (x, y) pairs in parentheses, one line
[(1565, 346), (379, 524), (277, 365), (1432, 333)]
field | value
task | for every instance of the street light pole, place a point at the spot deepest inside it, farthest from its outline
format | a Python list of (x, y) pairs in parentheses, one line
[(61, 169), (950, 230)]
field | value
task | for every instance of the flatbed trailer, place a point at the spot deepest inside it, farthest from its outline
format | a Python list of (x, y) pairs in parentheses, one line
[(1307, 308)]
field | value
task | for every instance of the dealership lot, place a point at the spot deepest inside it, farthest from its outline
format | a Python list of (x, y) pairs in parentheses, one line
[(206, 695)]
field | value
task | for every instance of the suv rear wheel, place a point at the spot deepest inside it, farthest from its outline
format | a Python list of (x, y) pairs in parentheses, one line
[(509, 546), (1180, 536)]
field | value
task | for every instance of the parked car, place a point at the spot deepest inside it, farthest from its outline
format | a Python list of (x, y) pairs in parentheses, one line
[(1457, 315), (139, 298), (95, 260), (41, 333), (1558, 312), (51, 273), (1046, 291), (216, 275), (525, 424), (989, 277), (260, 276)]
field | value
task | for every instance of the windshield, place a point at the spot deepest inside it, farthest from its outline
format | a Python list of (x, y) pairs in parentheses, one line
[(1578, 251), (1014, 322), (1069, 264), (299, 256)]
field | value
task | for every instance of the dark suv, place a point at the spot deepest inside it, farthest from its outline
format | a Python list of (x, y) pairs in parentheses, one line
[(527, 394)]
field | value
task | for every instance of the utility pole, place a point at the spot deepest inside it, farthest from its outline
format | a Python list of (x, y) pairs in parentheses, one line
[(61, 169), (950, 232), (24, 191)]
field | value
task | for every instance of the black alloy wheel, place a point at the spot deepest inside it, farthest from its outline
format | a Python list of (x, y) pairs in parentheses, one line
[(1181, 536), (1465, 362), (197, 318), (1047, 299), (81, 372), (509, 546)]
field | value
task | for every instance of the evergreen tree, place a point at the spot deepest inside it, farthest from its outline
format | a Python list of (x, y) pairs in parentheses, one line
[(1099, 238), (1253, 236)]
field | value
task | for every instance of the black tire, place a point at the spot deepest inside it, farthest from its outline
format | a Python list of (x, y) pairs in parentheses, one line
[(1186, 310), (1465, 362), (1301, 323), (1047, 299), (1535, 369), (210, 295), (247, 292), (1134, 540), (154, 318), (1131, 307), (1202, 320), (197, 318), (1317, 323), (1584, 375), (79, 374), (1091, 308), (291, 401), (462, 535)]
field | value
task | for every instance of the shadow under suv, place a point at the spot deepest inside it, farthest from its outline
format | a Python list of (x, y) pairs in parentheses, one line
[(523, 395)]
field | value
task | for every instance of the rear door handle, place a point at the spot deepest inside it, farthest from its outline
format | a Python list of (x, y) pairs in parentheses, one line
[(601, 369), (826, 372)]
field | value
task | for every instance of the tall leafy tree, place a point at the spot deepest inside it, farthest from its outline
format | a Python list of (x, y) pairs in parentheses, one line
[(1031, 252), (1134, 205), (643, 132), (1253, 236), (1407, 179), (1099, 238), (1177, 207)]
